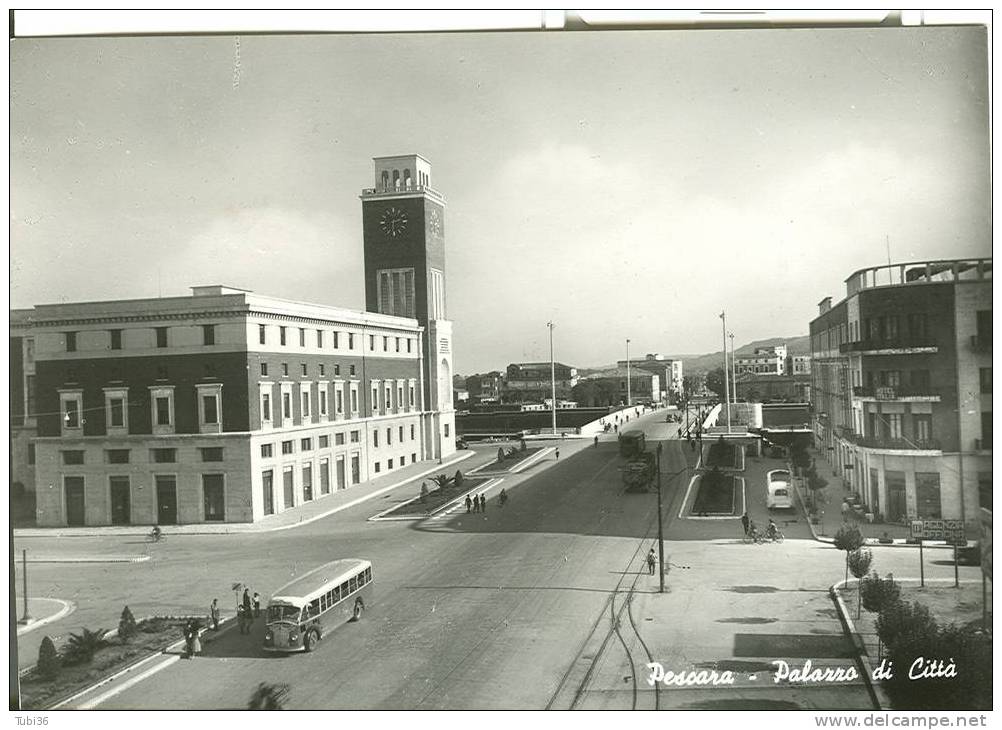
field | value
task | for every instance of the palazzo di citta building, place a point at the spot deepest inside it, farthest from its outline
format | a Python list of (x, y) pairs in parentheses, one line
[(229, 406)]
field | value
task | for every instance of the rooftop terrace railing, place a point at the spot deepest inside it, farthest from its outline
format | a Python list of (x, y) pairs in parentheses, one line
[(920, 272)]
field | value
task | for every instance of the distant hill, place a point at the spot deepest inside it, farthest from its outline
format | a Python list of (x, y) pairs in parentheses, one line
[(694, 364)]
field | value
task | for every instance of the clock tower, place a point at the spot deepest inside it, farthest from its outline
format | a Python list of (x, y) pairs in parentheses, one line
[(403, 230)]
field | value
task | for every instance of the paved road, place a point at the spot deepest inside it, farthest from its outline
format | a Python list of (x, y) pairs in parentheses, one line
[(513, 609)]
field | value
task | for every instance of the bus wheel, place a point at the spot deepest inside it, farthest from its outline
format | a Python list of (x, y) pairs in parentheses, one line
[(310, 640), (356, 614)]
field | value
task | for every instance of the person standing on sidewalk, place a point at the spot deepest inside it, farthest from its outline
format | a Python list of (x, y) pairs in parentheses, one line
[(214, 614), (744, 522), (558, 453), (483, 503), (469, 504), (651, 561), (257, 605), (247, 603)]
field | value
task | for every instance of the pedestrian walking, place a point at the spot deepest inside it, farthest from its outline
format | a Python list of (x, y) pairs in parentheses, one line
[(469, 504), (596, 440), (744, 522), (214, 614), (247, 602), (845, 511), (187, 640), (257, 605), (651, 561), (242, 618), (558, 453), (483, 503)]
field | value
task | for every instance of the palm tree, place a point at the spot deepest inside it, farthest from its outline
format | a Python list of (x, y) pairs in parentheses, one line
[(269, 697), (80, 648)]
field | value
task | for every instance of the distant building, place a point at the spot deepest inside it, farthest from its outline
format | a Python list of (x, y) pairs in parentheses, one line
[(764, 361), (530, 382), (486, 387), (644, 386), (902, 388), (798, 365), (773, 388), (668, 370)]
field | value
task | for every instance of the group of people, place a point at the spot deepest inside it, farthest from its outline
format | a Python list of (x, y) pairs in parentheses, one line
[(752, 531), (248, 610), (477, 503)]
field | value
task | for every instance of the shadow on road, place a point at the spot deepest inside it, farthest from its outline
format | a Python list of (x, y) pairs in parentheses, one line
[(229, 642)]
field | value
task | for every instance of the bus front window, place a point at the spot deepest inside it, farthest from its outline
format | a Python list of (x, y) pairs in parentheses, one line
[(283, 613)]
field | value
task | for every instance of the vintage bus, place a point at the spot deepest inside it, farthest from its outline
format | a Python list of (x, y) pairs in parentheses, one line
[(302, 611)]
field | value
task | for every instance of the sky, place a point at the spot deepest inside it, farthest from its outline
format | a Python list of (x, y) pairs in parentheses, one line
[(627, 184)]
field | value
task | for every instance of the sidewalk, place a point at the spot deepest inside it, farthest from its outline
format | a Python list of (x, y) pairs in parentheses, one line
[(296, 517), (831, 514)]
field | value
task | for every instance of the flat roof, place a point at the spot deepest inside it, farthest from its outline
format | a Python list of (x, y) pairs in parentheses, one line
[(331, 574)]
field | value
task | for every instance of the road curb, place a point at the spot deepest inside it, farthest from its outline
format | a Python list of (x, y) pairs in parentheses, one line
[(859, 649), (110, 559), (68, 607)]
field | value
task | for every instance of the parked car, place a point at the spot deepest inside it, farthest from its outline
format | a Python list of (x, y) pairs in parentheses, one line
[(969, 554), (778, 496)]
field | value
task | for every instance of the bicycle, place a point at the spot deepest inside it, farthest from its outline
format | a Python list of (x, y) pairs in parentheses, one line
[(753, 536), (156, 535), (776, 537)]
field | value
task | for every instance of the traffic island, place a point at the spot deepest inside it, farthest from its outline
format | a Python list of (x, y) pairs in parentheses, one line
[(714, 495), (91, 659), (723, 454), (427, 504)]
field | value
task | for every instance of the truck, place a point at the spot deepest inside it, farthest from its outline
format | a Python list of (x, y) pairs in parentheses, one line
[(632, 443), (639, 471)]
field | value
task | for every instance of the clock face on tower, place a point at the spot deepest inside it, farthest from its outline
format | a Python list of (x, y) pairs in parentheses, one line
[(393, 222)]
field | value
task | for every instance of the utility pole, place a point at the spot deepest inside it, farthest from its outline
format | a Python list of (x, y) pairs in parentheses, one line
[(734, 371), (628, 400), (553, 382), (661, 534), (26, 618), (727, 392)]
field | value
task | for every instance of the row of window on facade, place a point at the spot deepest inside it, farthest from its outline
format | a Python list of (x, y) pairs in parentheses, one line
[(385, 406), (335, 340), (161, 340), (116, 411), (323, 441)]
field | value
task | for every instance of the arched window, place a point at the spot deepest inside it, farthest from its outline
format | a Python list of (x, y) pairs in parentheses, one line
[(396, 179), (407, 178), (386, 179)]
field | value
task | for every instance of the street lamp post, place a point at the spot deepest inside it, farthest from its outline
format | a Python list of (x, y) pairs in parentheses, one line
[(727, 392), (553, 382), (661, 534), (628, 373), (26, 618)]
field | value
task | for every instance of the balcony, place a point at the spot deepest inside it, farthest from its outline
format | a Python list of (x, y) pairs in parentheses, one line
[(896, 393), (981, 344), (390, 191), (896, 346), (889, 443)]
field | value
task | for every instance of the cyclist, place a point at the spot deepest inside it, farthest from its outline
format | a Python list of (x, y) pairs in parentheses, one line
[(772, 531), (156, 533)]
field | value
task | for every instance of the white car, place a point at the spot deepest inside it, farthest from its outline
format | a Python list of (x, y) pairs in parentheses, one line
[(778, 487)]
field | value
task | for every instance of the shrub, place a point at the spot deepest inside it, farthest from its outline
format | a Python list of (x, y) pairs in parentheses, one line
[(424, 492), (500, 453), (441, 480), (48, 660), (859, 565), (848, 538), (126, 625), (878, 593), (458, 479), (970, 653), (901, 619), (80, 648), (521, 445)]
